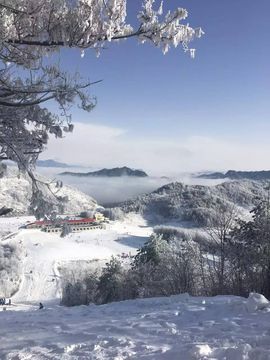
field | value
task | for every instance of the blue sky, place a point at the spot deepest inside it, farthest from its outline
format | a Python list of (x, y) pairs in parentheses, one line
[(220, 97)]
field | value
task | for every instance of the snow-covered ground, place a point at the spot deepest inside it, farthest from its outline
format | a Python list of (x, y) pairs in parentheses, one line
[(175, 328), (46, 252)]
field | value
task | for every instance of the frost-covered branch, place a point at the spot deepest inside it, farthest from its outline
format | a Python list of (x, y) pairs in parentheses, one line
[(44, 26), (32, 30)]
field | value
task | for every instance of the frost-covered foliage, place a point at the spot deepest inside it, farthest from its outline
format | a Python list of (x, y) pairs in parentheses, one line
[(46, 25), (80, 292), (10, 269), (110, 283), (159, 269), (113, 213), (170, 233), (244, 193), (32, 30), (250, 251), (152, 251), (195, 203), (79, 281)]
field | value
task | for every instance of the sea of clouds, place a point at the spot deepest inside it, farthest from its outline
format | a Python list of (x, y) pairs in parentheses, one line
[(108, 190)]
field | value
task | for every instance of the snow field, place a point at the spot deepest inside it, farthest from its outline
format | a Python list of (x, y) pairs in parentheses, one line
[(178, 327), (173, 328), (45, 253)]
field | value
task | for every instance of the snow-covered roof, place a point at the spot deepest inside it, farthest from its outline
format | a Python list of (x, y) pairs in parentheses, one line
[(64, 221)]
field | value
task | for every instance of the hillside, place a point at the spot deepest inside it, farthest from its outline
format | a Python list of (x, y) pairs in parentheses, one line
[(238, 175), (16, 193), (43, 254), (196, 204), (115, 172)]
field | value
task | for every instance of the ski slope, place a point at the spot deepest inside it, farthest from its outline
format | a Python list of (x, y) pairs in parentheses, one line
[(45, 252)]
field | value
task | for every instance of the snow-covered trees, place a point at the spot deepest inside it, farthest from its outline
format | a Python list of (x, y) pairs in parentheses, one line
[(31, 31), (229, 256), (160, 268), (10, 268), (111, 282), (152, 251), (219, 232), (250, 251), (46, 25)]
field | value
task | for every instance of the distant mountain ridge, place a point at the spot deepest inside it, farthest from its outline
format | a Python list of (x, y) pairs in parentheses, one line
[(115, 172), (238, 175), (52, 163)]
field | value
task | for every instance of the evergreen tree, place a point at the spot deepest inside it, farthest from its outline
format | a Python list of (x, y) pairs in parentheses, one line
[(110, 286), (152, 251)]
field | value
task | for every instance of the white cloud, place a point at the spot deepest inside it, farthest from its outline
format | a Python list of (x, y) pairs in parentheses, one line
[(102, 146)]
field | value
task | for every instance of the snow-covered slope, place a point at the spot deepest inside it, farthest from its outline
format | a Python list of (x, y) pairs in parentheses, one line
[(175, 328), (45, 253), (15, 193)]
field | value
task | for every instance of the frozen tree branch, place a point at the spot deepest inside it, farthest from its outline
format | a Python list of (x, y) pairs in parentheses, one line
[(33, 29)]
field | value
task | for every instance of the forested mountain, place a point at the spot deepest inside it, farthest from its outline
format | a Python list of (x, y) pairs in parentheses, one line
[(196, 203), (115, 172), (238, 175)]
